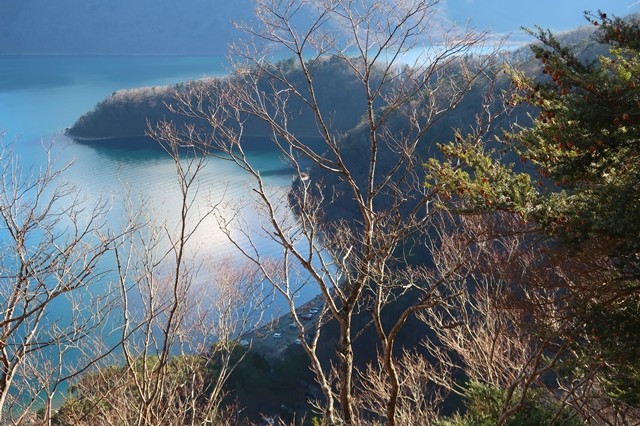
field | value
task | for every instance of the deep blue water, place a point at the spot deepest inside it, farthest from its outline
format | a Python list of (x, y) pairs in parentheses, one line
[(41, 96)]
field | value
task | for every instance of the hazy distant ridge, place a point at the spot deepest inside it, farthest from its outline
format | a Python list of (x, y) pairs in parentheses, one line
[(119, 26)]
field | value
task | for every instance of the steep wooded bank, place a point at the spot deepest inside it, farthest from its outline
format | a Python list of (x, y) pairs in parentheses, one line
[(581, 199)]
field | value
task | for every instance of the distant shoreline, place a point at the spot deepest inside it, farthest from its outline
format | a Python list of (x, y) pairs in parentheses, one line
[(89, 54), (122, 137), (100, 138)]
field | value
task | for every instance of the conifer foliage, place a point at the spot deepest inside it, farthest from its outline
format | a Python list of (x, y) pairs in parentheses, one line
[(574, 173)]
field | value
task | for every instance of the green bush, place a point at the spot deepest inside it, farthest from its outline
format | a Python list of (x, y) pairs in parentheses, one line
[(484, 405)]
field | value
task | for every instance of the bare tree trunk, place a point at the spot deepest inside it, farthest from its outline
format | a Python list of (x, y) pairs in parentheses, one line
[(346, 368)]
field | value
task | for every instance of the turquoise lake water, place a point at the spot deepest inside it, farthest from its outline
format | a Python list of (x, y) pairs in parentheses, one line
[(41, 96)]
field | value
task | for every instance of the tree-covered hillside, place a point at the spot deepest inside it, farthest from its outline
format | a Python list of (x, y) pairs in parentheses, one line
[(129, 113)]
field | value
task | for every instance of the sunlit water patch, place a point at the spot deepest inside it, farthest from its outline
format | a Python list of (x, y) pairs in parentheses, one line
[(41, 96)]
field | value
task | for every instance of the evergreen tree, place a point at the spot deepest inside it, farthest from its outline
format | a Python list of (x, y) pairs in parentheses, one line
[(578, 179)]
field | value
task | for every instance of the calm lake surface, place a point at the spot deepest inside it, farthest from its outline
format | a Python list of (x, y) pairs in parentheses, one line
[(41, 96)]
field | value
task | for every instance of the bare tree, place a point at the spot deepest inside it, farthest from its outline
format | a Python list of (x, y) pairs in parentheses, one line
[(180, 321), (53, 247), (422, 389), (372, 173), (509, 324), (490, 330)]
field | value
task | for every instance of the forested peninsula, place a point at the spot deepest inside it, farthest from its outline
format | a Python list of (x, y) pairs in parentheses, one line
[(130, 113)]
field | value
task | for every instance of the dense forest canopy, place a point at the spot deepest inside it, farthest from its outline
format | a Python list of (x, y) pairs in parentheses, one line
[(129, 113)]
